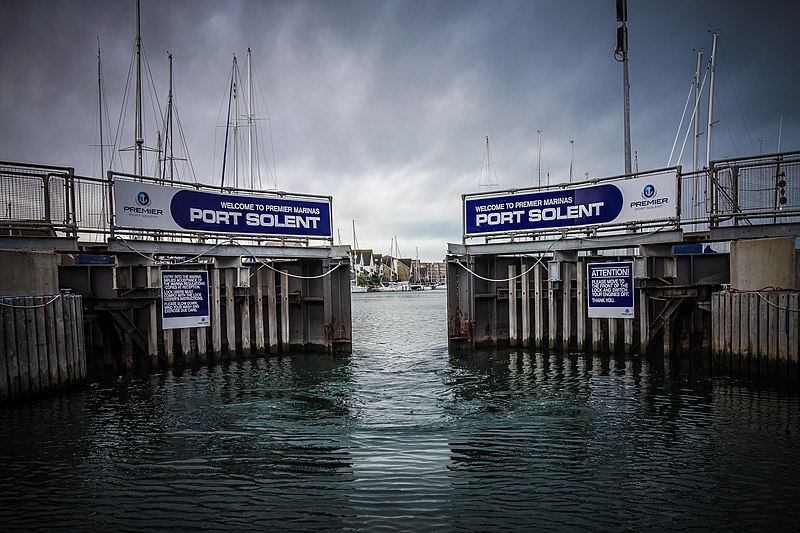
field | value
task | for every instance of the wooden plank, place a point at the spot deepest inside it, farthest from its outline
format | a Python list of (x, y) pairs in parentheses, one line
[(272, 312), (566, 304), (525, 295), (31, 342), (244, 312), (580, 307), (783, 335), (5, 386), (202, 343), (627, 335), (752, 335), (285, 340), (327, 308), (725, 329), (774, 324), (169, 347), (186, 346), (230, 310), (70, 347), (22, 348), (152, 334), (736, 329), (61, 342), (538, 306), (81, 337), (644, 321), (552, 316), (12, 357), (258, 314), (763, 335), (597, 334), (216, 316), (512, 306), (41, 343), (76, 331), (612, 334)]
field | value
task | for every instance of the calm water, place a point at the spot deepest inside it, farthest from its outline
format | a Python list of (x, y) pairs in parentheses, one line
[(402, 436)]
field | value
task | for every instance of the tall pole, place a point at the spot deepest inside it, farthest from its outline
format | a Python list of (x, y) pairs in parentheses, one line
[(250, 118), (696, 113), (100, 106), (711, 98), (170, 132), (139, 140), (621, 54), (539, 160), (571, 158)]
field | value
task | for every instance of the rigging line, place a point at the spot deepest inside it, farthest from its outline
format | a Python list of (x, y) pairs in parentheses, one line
[(739, 105), (727, 126), (189, 259), (538, 261), (694, 116), (227, 129), (264, 263), (271, 138), (35, 306), (778, 306), (680, 125)]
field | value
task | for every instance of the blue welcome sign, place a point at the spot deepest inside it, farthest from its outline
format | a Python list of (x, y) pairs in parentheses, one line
[(152, 206), (613, 202)]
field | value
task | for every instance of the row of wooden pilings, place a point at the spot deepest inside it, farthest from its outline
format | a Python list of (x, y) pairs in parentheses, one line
[(511, 301), (41, 344), (757, 334), (254, 310)]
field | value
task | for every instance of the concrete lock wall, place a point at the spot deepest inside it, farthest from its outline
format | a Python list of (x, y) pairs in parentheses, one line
[(760, 263), (28, 272)]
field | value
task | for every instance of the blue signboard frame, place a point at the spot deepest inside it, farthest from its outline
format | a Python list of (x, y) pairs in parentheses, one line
[(184, 299), (610, 290), (153, 206), (617, 201)]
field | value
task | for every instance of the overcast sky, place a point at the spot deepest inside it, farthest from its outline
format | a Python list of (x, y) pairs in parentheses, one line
[(386, 105)]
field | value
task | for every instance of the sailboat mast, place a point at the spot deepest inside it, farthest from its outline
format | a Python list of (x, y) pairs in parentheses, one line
[(250, 123), (139, 140), (696, 106), (100, 106), (711, 98), (170, 132), (235, 124)]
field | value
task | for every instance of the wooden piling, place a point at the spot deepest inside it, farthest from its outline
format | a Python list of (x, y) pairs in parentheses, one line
[(258, 311), (285, 341), (272, 312), (216, 316), (580, 308), (538, 300), (512, 306), (566, 304), (526, 306), (230, 310), (552, 315)]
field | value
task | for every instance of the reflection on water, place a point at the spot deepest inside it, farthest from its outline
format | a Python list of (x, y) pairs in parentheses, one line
[(403, 436)]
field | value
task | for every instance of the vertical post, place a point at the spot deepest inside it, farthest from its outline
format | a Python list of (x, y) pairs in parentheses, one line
[(538, 303), (244, 311), (794, 339), (41, 347), (526, 306), (752, 339), (259, 309), (285, 341), (230, 310), (596, 335), (327, 306), (512, 305), (644, 321), (169, 348), (566, 302), (30, 340), (774, 327), (736, 331), (202, 343), (627, 325), (152, 335), (612, 334), (186, 345), (272, 312), (580, 307), (216, 316), (552, 317), (783, 334)]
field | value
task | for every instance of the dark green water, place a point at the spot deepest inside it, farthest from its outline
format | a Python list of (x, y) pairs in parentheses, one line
[(402, 436)]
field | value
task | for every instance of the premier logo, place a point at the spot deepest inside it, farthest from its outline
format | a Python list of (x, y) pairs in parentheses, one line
[(143, 199), (649, 200)]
